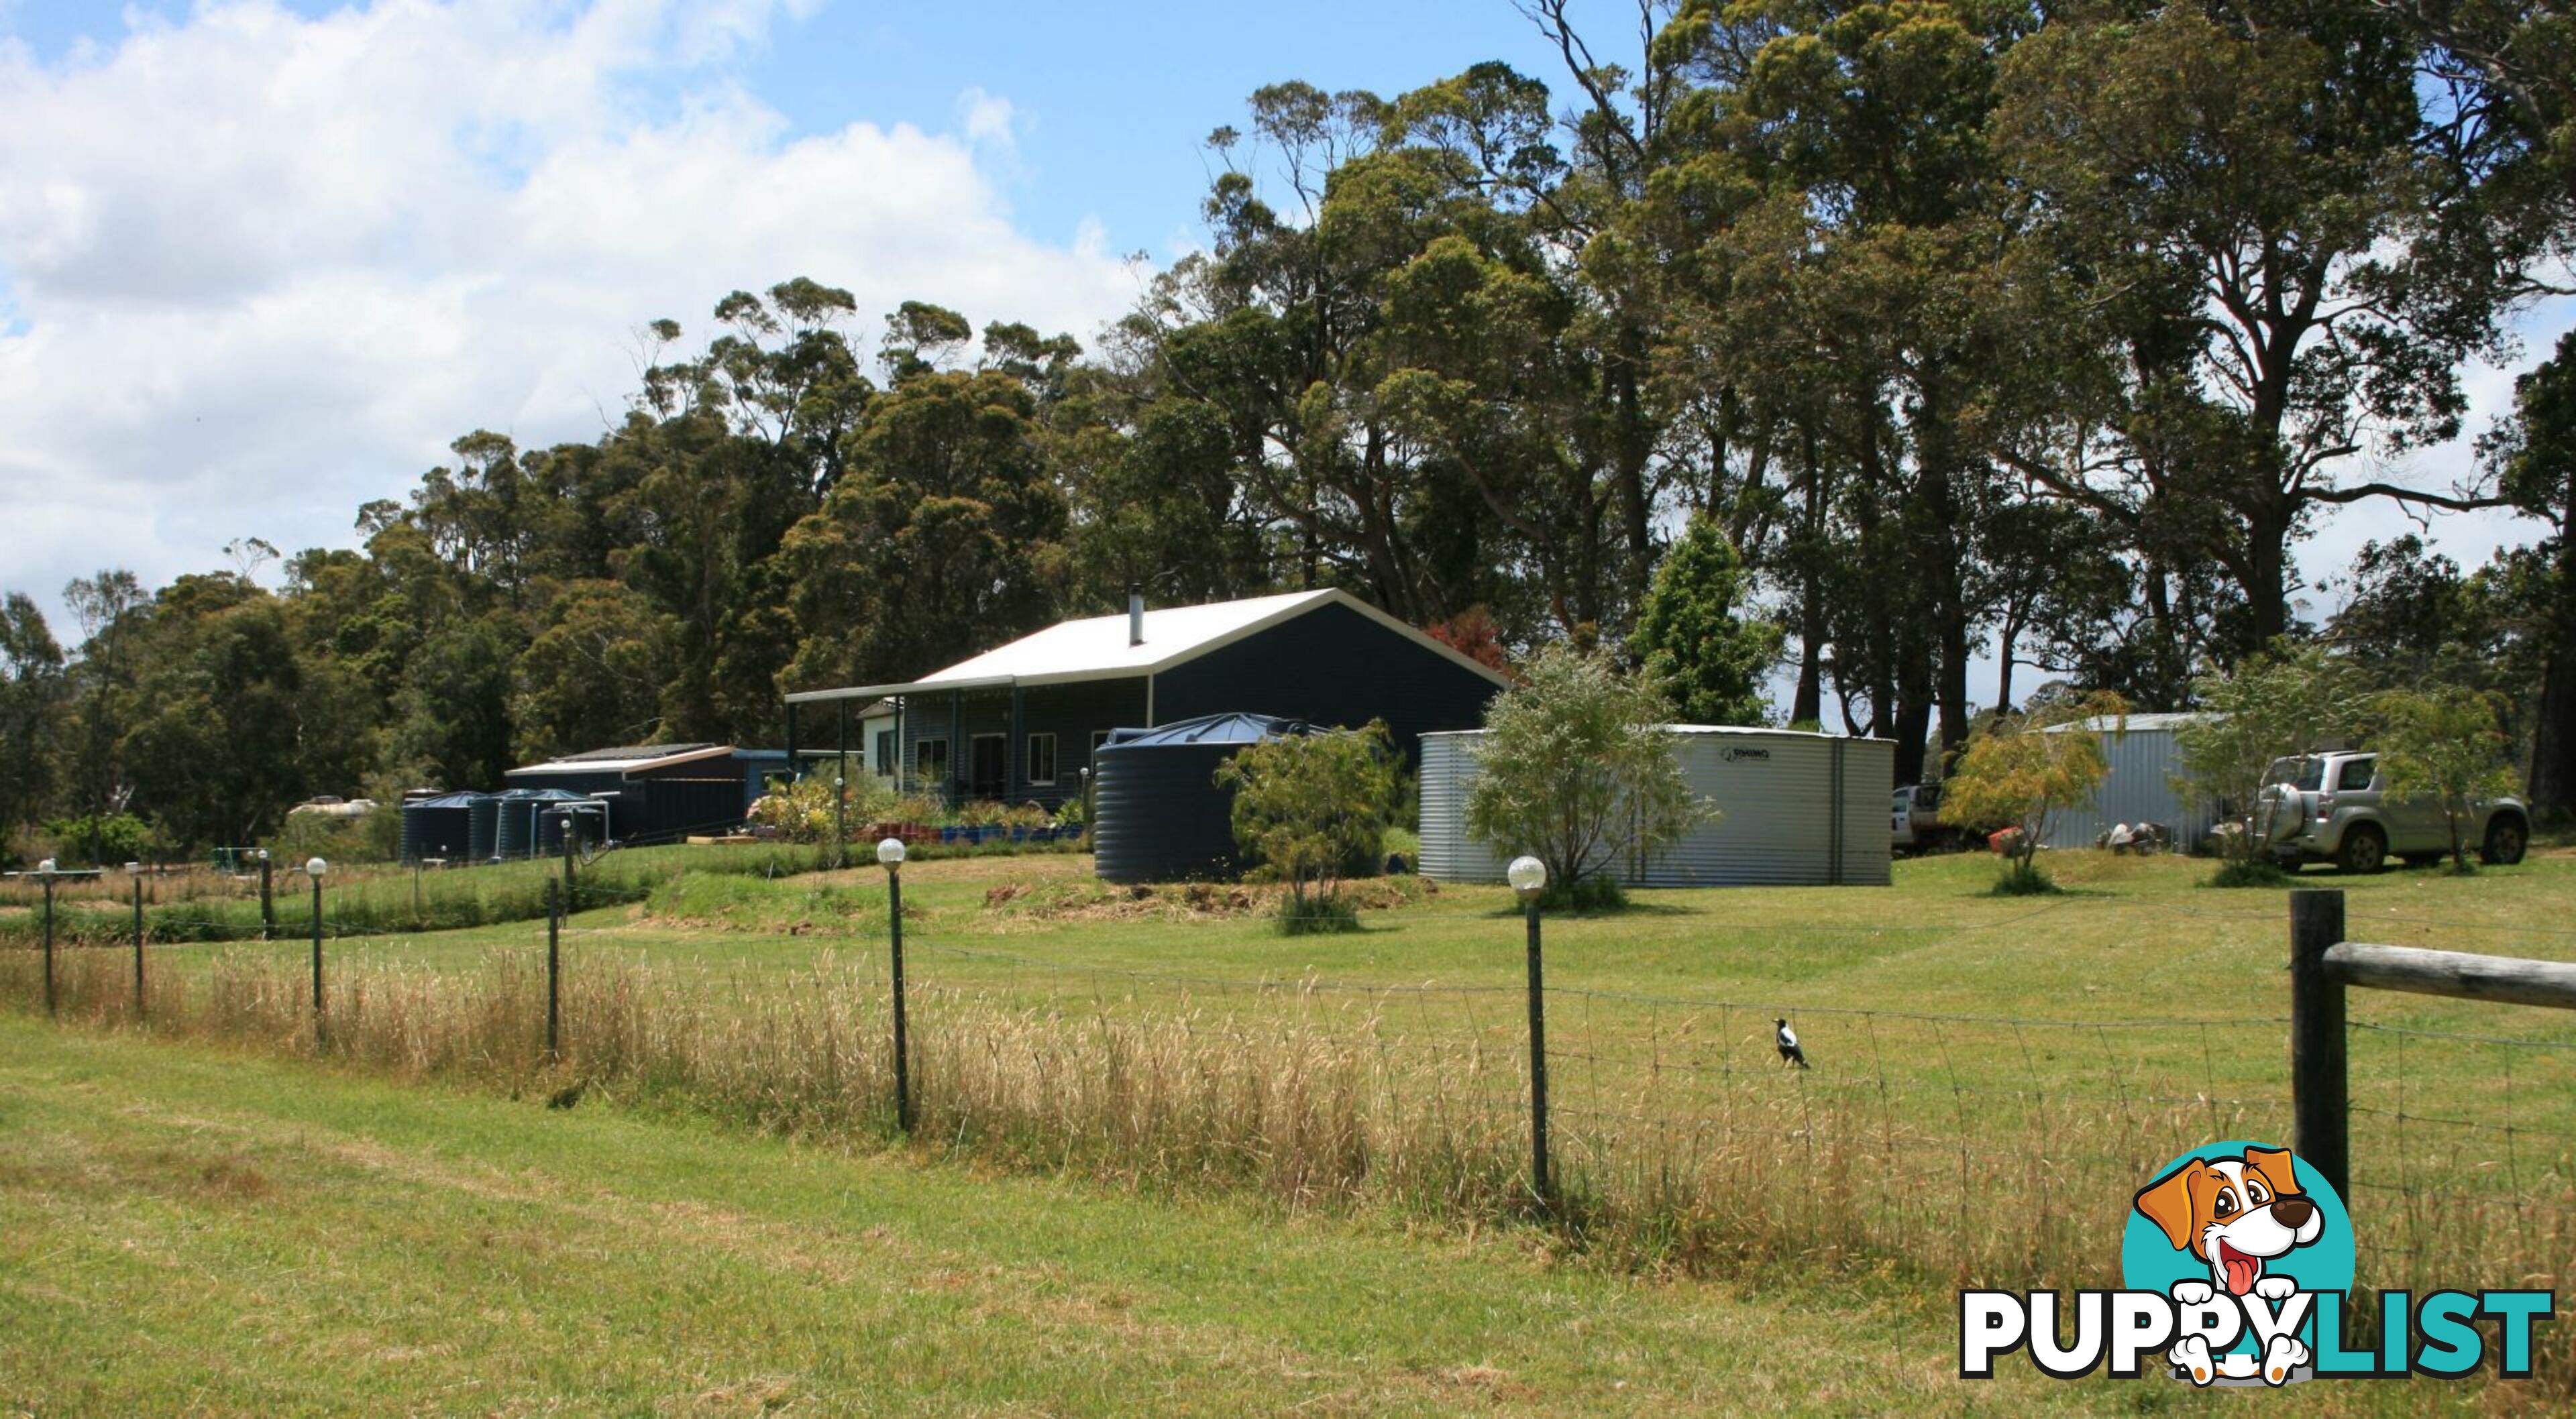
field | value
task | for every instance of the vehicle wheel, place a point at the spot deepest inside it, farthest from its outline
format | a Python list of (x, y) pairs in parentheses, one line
[(2364, 850), (2506, 840)]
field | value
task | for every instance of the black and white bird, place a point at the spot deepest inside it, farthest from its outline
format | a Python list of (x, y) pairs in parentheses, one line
[(1787, 1039)]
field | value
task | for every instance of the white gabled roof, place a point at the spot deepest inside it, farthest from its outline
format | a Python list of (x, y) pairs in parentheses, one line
[(1096, 647)]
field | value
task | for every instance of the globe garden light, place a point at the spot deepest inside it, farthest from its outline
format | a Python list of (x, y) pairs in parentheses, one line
[(46, 867), (890, 852), (314, 867), (1527, 875)]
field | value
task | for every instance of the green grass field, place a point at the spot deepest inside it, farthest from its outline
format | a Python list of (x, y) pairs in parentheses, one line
[(1993, 1078), (185, 1230)]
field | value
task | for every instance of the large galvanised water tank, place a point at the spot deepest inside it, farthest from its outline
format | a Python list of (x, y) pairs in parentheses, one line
[(1157, 812), (439, 828), (1790, 809), (485, 821)]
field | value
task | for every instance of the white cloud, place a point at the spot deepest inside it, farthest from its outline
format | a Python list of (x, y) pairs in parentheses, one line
[(257, 268)]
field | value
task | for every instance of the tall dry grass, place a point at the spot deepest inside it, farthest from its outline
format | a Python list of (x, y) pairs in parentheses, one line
[(1325, 1099)]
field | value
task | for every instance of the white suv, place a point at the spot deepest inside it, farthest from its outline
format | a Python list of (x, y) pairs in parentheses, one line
[(2335, 808)]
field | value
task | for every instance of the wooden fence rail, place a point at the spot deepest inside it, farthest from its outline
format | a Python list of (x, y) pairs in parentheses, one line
[(2323, 964)]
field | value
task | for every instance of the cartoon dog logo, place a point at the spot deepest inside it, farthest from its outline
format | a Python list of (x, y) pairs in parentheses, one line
[(2235, 1214)]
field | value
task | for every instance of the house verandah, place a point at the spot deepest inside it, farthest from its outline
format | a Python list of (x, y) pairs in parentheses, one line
[(1007, 743)]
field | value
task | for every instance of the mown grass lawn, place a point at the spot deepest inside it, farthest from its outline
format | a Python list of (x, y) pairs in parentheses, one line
[(185, 1230)]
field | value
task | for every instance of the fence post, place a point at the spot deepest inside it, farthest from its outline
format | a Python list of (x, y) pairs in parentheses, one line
[(902, 1060), (49, 937), (554, 970), (267, 902), (841, 795), (1538, 1058), (321, 1030), (138, 946), (2318, 1089)]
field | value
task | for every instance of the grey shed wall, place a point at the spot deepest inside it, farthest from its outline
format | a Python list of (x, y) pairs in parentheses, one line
[(1797, 810), (2139, 788)]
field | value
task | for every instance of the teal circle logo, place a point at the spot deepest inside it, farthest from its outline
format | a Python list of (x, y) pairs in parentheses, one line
[(2240, 1218)]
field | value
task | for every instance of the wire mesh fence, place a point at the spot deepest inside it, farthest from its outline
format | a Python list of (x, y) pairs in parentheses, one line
[(1996, 1150)]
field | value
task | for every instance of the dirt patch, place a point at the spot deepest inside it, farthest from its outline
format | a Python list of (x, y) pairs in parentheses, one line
[(1094, 900)]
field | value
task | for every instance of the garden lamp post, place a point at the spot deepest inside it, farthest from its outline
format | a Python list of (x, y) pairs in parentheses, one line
[(267, 900), (314, 867), (1528, 877), (45, 871), (890, 853)]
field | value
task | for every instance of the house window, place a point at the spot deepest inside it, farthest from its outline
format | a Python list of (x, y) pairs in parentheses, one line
[(930, 762), (885, 752), (1042, 759)]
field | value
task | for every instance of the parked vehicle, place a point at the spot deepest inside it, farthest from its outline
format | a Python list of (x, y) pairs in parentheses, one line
[(1915, 824), (2334, 807)]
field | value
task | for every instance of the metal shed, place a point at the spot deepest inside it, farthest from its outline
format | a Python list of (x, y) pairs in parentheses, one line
[(657, 792), (1796, 810), (2140, 788), (1160, 815)]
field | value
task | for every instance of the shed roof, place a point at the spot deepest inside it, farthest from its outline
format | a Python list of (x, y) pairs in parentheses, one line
[(2160, 721), (1098, 648), (624, 760)]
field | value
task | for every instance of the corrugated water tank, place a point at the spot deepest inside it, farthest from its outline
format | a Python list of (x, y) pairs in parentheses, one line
[(1158, 814), (1793, 809), (438, 828)]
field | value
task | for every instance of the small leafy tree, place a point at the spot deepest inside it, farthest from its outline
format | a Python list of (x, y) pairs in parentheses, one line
[(1576, 770), (2022, 767), (1311, 809), (1693, 637), (2270, 706), (2444, 745)]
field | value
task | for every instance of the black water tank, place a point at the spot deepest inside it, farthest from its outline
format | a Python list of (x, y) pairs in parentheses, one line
[(439, 827), (1157, 812), (485, 818)]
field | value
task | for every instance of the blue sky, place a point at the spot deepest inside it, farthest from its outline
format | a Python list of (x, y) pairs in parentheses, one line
[(261, 260), (1112, 103)]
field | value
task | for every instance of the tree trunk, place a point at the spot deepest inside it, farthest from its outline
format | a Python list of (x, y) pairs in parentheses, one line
[(2552, 786), (2266, 570)]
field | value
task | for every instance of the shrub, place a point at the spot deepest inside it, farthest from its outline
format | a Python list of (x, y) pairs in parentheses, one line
[(2250, 872), (2445, 747), (103, 839), (2270, 706), (2022, 878), (1311, 809), (1577, 770), (2020, 768)]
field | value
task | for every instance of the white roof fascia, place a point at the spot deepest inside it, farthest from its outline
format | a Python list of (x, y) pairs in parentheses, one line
[(908, 687)]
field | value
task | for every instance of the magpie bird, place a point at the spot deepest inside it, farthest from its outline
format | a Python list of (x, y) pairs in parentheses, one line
[(1787, 1039)]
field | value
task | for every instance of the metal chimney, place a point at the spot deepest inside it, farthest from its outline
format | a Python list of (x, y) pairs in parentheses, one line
[(1135, 614)]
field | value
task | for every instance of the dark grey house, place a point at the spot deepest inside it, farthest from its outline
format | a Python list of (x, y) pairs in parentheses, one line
[(1020, 722)]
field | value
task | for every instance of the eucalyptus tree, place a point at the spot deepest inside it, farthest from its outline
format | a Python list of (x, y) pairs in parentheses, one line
[(2248, 191)]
